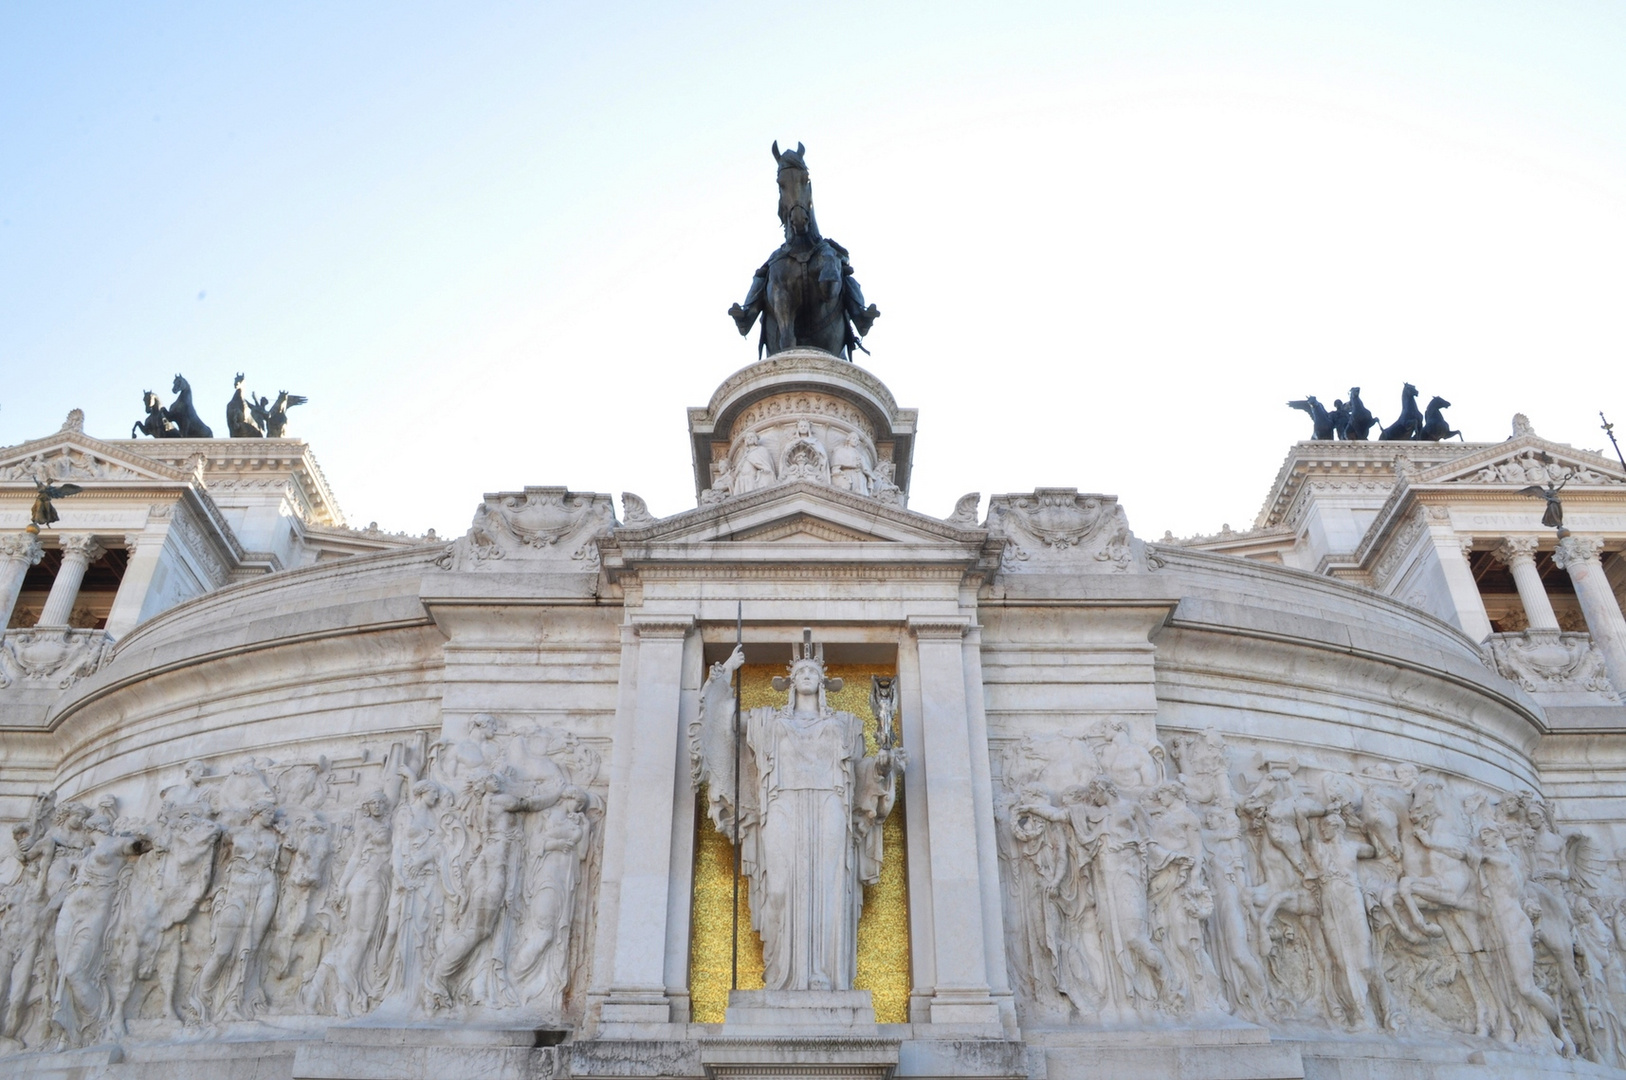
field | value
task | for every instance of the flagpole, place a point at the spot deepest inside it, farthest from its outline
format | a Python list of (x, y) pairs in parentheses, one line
[(739, 680)]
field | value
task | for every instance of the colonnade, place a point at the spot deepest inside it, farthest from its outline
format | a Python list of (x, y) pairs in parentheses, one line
[(20, 551), (1582, 558)]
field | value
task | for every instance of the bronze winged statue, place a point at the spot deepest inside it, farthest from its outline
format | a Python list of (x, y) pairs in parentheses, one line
[(805, 293), (1554, 517), (44, 514)]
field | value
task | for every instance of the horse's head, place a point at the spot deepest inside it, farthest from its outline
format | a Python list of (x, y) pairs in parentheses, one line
[(795, 193), (178, 385), (149, 399), (1409, 392), (238, 381), (1438, 402)]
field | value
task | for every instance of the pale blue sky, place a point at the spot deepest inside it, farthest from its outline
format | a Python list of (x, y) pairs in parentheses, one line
[(494, 244)]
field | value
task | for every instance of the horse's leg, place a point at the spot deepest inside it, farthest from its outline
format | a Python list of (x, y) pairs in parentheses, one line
[(782, 303)]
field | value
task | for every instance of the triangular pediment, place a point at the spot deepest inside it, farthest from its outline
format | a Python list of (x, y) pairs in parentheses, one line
[(800, 513), (1520, 461), (70, 455)]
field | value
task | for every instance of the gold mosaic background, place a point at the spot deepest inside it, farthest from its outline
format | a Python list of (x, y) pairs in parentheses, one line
[(883, 929)]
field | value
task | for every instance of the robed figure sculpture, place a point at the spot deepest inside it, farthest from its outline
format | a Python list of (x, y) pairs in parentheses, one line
[(811, 807)]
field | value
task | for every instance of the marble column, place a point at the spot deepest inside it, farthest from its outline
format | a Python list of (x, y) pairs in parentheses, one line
[(962, 994), (1518, 554), (1580, 555), (638, 851), (18, 551), (78, 552)]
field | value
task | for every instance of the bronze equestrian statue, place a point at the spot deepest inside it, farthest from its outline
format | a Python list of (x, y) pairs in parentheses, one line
[(805, 293)]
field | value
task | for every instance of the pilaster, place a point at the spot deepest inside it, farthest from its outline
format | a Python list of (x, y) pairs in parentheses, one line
[(1452, 554), (145, 550), (642, 789), (961, 993)]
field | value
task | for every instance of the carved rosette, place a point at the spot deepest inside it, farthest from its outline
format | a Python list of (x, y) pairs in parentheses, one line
[(539, 524), (1552, 662), (1057, 530)]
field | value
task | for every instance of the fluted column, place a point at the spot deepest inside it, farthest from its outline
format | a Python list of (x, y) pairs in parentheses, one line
[(1518, 554), (1580, 556), (18, 551), (78, 552)]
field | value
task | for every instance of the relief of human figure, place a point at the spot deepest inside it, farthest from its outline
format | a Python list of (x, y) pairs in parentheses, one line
[(1060, 947), (230, 981), (557, 856), (475, 915), (1232, 923), (1181, 900), (82, 924), (811, 814), (1358, 985), (756, 469), (1112, 836), (418, 895), (163, 894), (347, 978), (1551, 879), (848, 470), (1512, 933)]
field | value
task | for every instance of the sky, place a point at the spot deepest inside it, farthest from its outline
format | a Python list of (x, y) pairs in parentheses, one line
[(494, 244)]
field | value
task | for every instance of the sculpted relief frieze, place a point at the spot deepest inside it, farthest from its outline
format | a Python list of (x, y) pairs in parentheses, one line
[(539, 524), (1155, 887), (441, 881), (1551, 661), (55, 657), (1058, 530), (806, 437)]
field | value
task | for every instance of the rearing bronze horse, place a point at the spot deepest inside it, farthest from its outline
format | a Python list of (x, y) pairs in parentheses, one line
[(805, 292)]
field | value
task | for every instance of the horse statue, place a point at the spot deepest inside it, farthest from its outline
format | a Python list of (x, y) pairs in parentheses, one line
[(1361, 420), (805, 293), (1410, 423), (185, 416), (275, 417), (157, 424), (241, 423), (1435, 428), (1319, 416)]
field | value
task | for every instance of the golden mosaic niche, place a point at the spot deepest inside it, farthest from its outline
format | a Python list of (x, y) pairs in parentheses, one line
[(883, 928)]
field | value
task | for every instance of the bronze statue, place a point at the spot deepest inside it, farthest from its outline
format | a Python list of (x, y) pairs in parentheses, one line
[(240, 419), (1435, 428), (275, 419), (185, 416), (805, 293), (1554, 517), (1319, 416), (157, 424), (1361, 420), (44, 514), (1405, 429)]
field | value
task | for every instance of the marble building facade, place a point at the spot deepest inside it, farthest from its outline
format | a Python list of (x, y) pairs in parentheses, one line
[(1342, 795)]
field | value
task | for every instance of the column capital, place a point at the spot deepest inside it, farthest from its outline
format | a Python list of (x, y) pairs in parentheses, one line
[(655, 627), (1516, 549), (939, 627), (81, 545), (1578, 549), (21, 546)]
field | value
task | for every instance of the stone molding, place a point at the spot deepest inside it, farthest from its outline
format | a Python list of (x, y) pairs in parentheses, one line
[(656, 628), (938, 628)]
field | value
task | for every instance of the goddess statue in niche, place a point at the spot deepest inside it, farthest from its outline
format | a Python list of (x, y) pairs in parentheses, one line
[(811, 807)]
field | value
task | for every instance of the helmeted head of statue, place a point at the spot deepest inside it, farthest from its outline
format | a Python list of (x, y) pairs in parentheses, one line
[(807, 671)]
